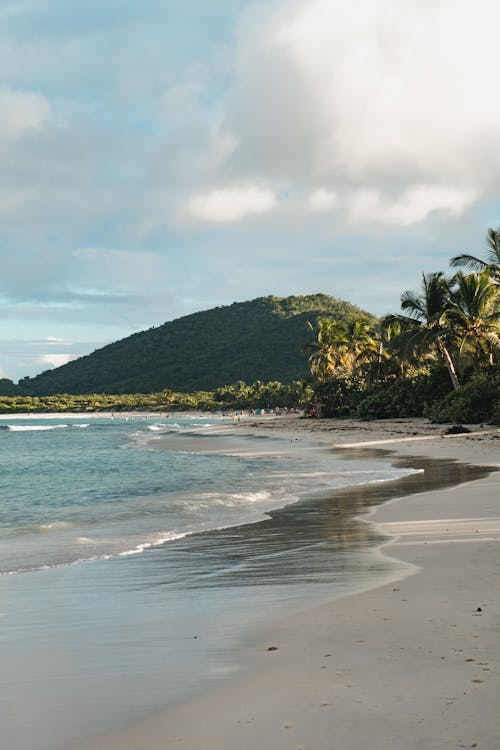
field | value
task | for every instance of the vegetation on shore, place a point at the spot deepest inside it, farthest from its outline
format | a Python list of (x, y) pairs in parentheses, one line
[(237, 396), (438, 358)]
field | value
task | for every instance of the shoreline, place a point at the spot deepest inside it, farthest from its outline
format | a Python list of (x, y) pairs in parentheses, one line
[(410, 664)]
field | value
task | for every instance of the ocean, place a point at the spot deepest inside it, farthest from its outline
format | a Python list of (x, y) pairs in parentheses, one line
[(138, 554)]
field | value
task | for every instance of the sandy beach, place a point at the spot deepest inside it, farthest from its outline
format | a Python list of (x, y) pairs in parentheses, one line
[(411, 664)]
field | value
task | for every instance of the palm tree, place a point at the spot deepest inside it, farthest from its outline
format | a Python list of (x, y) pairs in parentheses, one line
[(474, 314), (384, 354), (359, 342), (325, 350), (425, 328), (492, 262), (365, 349), (339, 348)]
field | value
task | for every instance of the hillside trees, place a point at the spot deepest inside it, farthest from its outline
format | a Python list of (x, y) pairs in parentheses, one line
[(247, 341)]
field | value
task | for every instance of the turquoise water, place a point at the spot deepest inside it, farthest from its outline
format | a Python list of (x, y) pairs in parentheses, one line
[(138, 554), (74, 490)]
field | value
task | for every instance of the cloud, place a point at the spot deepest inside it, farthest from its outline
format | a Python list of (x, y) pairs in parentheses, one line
[(230, 204), (20, 112), (373, 96), (322, 200), (56, 360), (410, 207), (306, 122)]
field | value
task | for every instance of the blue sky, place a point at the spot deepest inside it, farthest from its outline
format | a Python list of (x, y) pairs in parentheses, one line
[(159, 158)]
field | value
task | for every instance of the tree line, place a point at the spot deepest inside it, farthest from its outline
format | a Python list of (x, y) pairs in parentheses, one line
[(237, 396)]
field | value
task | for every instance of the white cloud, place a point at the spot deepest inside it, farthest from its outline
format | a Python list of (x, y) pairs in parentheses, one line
[(390, 96), (20, 112), (322, 200), (54, 340), (231, 204), (410, 207), (56, 360)]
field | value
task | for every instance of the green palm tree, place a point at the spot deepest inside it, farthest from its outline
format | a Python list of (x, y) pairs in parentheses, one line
[(424, 328), (384, 355), (474, 314), (330, 338), (359, 341), (492, 262), (364, 349), (339, 348)]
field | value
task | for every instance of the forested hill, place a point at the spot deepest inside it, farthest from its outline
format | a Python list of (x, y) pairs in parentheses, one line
[(256, 340)]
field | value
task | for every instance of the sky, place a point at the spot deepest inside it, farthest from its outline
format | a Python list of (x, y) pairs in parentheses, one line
[(160, 157)]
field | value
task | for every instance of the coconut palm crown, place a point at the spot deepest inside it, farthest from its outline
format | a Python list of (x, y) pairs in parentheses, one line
[(424, 326), (474, 314), (492, 262)]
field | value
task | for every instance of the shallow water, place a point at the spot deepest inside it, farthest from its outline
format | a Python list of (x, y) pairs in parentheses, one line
[(73, 490), (90, 646)]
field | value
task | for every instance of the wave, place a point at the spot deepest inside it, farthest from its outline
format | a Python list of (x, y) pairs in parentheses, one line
[(33, 427), (234, 499), (55, 526), (206, 512), (138, 549), (170, 537), (40, 427), (171, 427), (382, 475)]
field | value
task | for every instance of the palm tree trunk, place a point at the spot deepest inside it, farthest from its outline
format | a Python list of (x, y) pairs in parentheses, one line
[(449, 364), (379, 360)]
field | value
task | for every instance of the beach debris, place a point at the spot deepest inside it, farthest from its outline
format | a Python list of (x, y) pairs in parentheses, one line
[(457, 429), (272, 648)]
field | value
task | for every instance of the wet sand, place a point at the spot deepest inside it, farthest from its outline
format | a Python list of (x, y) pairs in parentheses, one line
[(414, 663)]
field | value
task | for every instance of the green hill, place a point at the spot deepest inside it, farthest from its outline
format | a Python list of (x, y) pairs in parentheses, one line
[(257, 340), (8, 388)]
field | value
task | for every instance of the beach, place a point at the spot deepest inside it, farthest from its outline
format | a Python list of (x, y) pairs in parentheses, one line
[(412, 663)]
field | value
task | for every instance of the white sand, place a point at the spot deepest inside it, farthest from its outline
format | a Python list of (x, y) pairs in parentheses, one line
[(414, 664)]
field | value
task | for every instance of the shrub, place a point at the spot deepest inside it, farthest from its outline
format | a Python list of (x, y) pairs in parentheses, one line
[(339, 397), (476, 401), (403, 397)]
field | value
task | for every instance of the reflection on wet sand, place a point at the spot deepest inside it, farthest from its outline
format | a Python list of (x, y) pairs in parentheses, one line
[(309, 541)]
